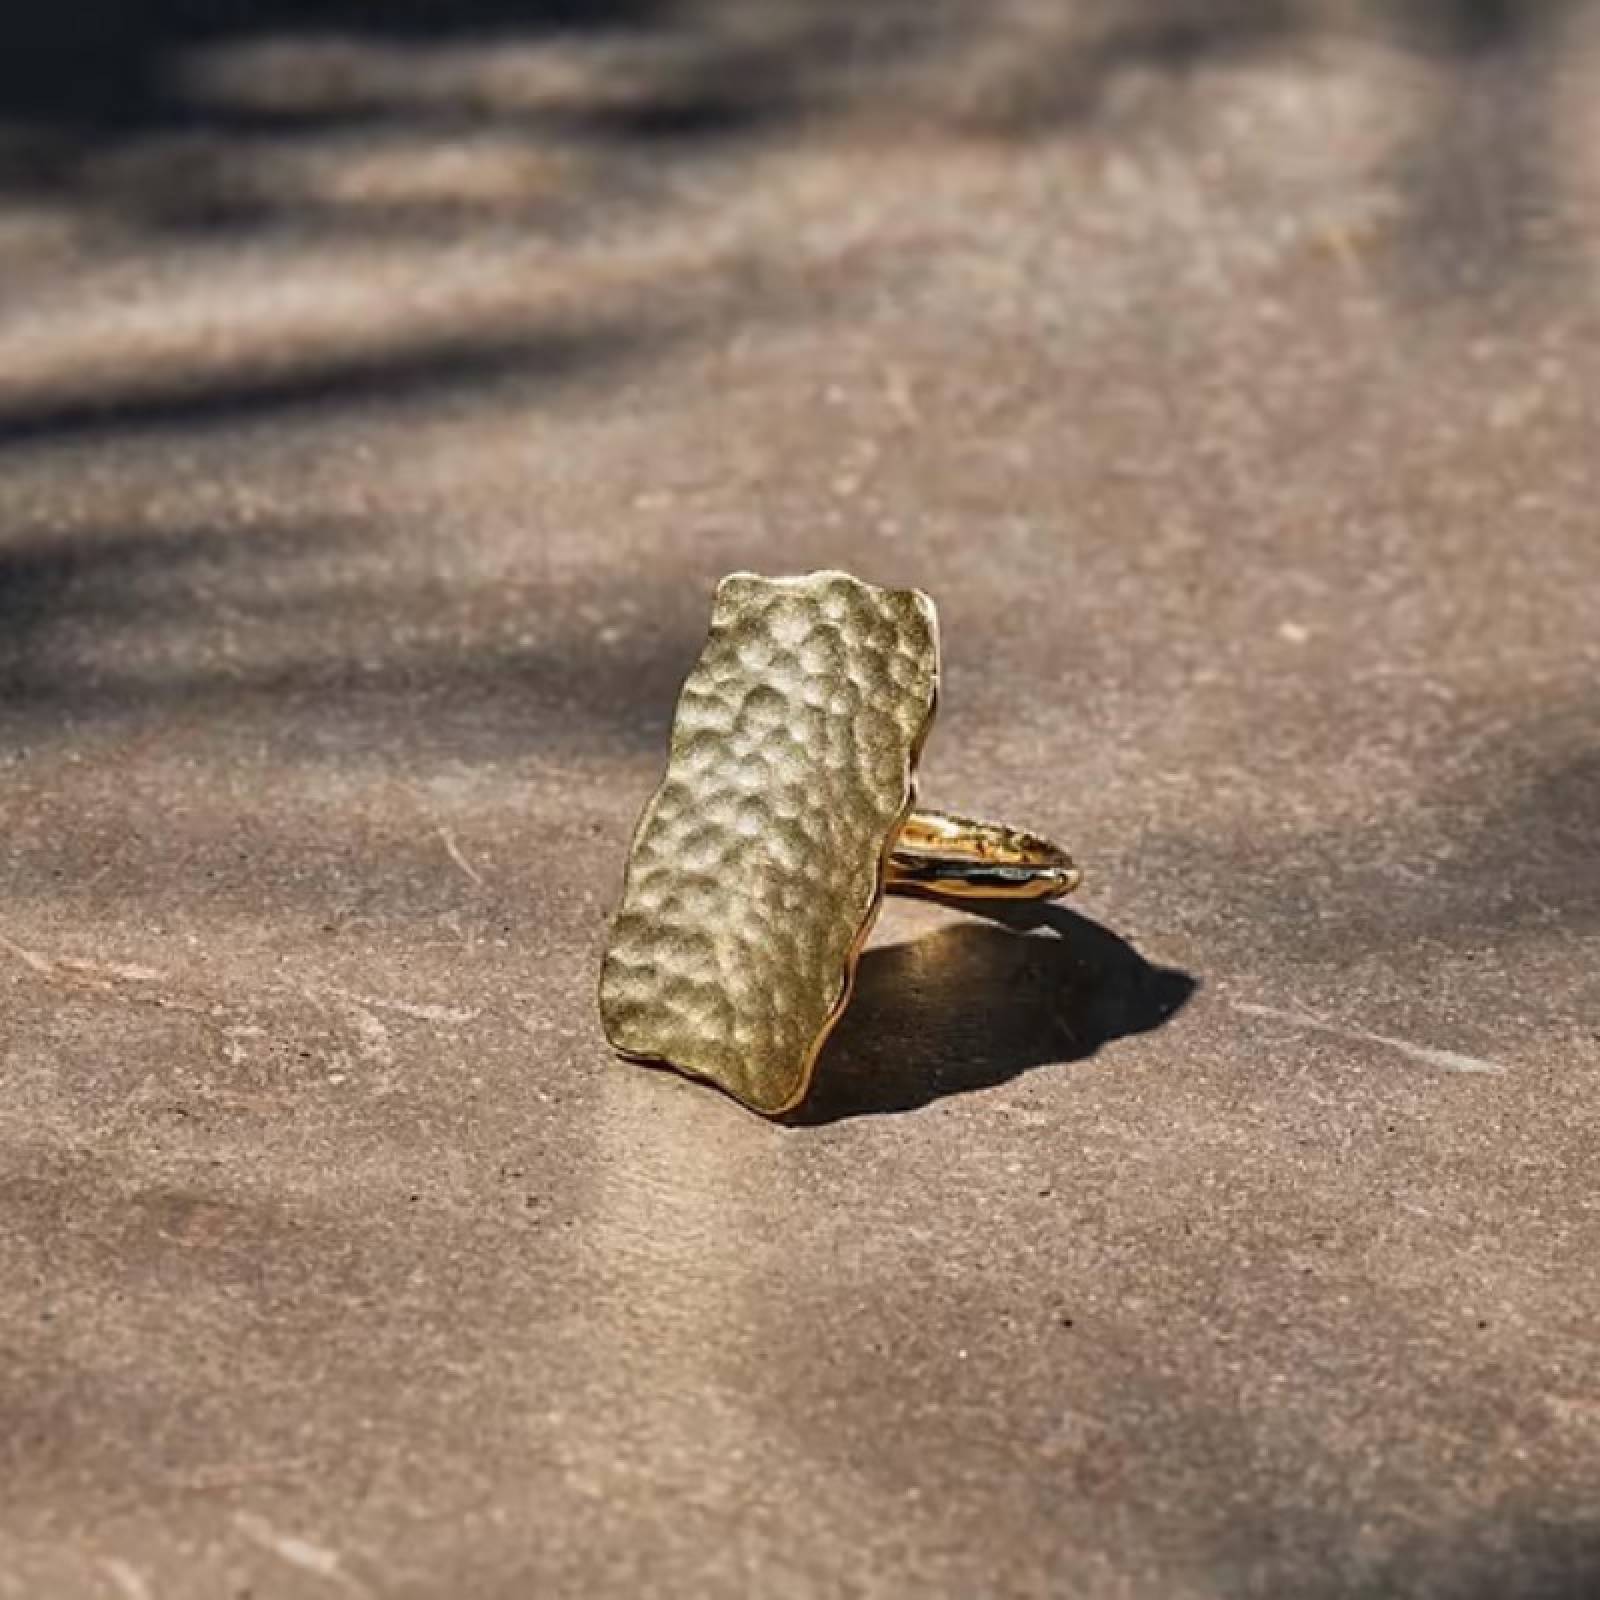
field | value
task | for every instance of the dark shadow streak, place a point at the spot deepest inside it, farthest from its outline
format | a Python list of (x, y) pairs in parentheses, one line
[(972, 1006), (1471, 28), (100, 64), (380, 376), (132, 628)]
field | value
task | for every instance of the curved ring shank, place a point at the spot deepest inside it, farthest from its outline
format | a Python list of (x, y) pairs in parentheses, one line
[(948, 857)]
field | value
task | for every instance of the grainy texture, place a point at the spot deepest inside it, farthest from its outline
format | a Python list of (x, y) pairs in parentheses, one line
[(758, 863)]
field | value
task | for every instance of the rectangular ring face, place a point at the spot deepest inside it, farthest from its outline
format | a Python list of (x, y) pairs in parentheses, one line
[(758, 864)]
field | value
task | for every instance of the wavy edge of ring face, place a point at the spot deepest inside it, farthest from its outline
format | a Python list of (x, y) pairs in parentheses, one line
[(759, 863)]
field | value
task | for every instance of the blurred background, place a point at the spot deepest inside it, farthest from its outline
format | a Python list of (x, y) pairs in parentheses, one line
[(383, 390)]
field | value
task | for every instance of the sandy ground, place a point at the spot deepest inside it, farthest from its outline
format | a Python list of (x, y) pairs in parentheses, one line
[(377, 411)]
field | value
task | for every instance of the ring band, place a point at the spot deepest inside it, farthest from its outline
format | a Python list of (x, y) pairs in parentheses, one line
[(955, 858)]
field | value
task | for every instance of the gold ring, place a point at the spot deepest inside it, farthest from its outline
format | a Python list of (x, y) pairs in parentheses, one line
[(785, 814)]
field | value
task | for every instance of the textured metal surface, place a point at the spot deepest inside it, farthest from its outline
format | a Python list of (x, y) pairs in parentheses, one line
[(758, 864)]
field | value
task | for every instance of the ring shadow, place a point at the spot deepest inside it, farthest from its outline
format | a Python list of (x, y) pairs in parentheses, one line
[(973, 1006)]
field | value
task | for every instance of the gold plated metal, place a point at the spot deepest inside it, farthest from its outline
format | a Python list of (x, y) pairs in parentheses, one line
[(785, 814), (955, 858)]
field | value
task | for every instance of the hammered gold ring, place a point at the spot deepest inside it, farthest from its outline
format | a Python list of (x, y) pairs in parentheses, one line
[(785, 814)]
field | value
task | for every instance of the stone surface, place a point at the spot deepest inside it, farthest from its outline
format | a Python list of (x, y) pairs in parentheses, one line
[(376, 414)]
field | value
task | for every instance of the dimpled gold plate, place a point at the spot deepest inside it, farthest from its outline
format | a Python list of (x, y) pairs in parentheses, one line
[(758, 865)]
